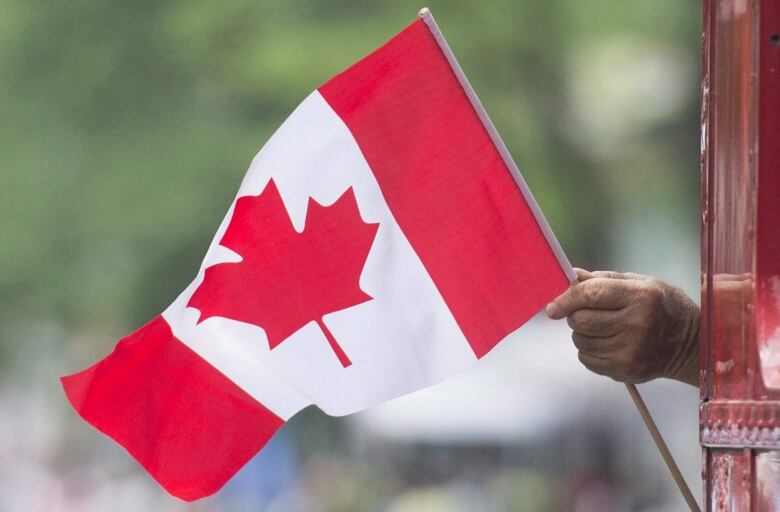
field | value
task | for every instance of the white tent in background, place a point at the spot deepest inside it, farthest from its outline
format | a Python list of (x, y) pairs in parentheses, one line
[(530, 383)]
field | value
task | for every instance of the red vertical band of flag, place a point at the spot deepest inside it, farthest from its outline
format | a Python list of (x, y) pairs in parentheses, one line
[(187, 424), (448, 186)]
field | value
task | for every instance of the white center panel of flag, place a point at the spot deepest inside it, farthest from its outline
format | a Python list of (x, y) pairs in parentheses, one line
[(403, 339)]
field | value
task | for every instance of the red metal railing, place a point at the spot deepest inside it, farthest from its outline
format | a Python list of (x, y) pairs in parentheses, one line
[(740, 331)]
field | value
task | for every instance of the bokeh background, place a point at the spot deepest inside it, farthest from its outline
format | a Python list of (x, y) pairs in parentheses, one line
[(125, 130)]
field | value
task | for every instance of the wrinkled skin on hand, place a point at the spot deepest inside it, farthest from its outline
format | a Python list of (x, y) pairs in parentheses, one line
[(630, 327)]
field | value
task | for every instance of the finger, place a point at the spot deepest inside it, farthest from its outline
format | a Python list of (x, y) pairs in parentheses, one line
[(732, 277), (595, 322), (596, 293), (593, 346), (598, 365), (582, 274)]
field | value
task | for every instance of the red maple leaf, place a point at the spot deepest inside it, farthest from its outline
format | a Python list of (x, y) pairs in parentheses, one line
[(287, 279)]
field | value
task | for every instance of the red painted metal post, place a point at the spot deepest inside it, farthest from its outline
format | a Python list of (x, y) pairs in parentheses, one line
[(740, 331)]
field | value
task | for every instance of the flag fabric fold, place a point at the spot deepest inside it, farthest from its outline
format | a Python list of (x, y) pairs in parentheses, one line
[(381, 241)]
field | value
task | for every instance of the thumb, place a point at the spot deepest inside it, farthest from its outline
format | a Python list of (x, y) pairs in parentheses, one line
[(552, 310)]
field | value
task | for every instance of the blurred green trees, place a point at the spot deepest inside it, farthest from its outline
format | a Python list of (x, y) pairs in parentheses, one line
[(126, 127)]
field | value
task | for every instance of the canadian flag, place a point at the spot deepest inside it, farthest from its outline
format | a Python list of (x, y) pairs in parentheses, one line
[(381, 241)]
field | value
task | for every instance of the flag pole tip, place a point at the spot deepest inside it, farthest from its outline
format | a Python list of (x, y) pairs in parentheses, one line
[(424, 12)]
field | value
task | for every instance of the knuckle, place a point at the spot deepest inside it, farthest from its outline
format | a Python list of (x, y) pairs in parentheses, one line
[(581, 342), (653, 291), (588, 363), (593, 292), (579, 320), (597, 366), (572, 320)]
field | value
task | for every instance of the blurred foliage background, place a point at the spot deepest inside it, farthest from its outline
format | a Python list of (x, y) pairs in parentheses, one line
[(126, 128)]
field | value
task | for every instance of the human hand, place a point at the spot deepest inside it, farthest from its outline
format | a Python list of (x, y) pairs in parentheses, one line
[(630, 327)]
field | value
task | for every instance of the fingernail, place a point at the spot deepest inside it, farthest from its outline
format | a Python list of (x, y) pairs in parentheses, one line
[(551, 310)]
